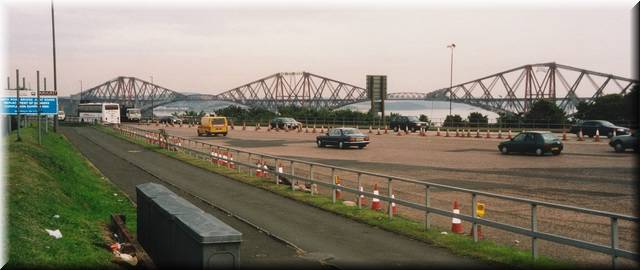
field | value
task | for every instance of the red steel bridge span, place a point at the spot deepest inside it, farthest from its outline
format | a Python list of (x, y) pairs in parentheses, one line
[(512, 90)]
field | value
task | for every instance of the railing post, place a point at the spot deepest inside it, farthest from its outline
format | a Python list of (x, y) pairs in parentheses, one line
[(474, 226), (614, 242), (292, 175), (358, 195), (276, 171), (250, 167), (389, 192), (238, 159), (333, 185), (534, 228), (427, 217), (311, 176)]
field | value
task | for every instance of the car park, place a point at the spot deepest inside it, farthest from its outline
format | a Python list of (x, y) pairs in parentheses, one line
[(537, 142), (412, 123), (343, 138), (620, 143), (604, 128), (284, 122)]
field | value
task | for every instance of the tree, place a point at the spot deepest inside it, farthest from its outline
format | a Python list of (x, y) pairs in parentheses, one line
[(630, 105), (508, 119), (453, 121), (544, 112), (424, 118), (477, 119)]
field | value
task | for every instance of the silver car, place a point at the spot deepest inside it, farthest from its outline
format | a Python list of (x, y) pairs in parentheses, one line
[(621, 143)]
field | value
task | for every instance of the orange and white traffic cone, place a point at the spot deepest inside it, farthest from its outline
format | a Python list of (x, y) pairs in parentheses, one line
[(446, 134), (438, 132), (314, 129), (394, 209), (265, 170), (488, 135), (597, 137), (299, 129), (468, 133), (457, 133), (456, 223), (370, 129), (378, 131), (231, 165), (363, 199), (244, 126), (375, 202), (321, 129), (478, 134), (280, 171), (509, 135), (499, 133), (406, 130), (338, 190), (564, 134), (399, 133), (258, 170), (580, 136), (385, 129)]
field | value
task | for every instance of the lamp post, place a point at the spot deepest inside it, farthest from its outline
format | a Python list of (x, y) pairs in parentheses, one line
[(452, 46)]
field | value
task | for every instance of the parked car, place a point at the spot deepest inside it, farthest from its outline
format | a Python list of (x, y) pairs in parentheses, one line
[(538, 142), (413, 123), (605, 128), (284, 122), (620, 143), (171, 119), (343, 138)]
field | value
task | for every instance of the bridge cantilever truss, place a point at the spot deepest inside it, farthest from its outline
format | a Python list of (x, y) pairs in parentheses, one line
[(131, 92), (295, 88), (523, 85)]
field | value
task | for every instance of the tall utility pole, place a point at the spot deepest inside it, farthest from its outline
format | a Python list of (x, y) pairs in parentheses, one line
[(55, 78), (80, 102), (452, 46), (38, 108), (18, 103)]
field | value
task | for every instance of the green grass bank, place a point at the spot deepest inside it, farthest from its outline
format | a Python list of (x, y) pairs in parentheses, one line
[(55, 179)]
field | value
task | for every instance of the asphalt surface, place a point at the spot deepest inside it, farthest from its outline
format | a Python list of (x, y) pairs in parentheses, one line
[(323, 239)]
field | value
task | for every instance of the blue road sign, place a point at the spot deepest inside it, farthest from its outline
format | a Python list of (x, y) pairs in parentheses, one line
[(29, 105)]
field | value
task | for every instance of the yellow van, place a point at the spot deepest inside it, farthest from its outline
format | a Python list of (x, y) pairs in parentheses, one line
[(213, 125)]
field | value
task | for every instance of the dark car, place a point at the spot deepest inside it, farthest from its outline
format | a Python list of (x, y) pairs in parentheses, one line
[(623, 142), (343, 138), (605, 128), (407, 122), (284, 122), (170, 120), (538, 142)]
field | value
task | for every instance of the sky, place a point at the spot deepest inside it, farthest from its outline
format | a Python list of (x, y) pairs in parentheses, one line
[(205, 47)]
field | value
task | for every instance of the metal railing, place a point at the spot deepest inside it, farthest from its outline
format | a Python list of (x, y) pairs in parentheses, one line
[(532, 231)]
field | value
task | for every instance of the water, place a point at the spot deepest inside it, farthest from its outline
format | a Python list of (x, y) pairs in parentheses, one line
[(437, 111)]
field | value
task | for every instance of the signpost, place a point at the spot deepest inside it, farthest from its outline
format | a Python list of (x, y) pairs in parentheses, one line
[(377, 92)]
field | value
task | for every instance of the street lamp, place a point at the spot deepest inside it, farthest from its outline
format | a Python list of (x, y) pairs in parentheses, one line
[(452, 46)]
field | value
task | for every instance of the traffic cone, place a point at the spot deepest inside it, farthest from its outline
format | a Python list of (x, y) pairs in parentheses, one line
[(370, 129), (314, 129), (478, 134), (286, 128), (580, 136), (406, 130), (363, 199), (306, 129), (265, 170), (280, 170), (564, 134), (244, 126), (385, 129), (256, 127), (456, 223), (378, 131), (438, 132), (375, 202), (269, 129), (499, 133), (468, 133), (394, 209), (597, 137), (446, 134), (299, 129), (258, 170), (232, 127), (338, 190), (509, 135), (457, 133), (488, 135), (231, 165), (399, 133), (423, 133), (321, 129)]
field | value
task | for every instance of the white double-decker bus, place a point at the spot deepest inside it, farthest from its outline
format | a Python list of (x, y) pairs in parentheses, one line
[(106, 113)]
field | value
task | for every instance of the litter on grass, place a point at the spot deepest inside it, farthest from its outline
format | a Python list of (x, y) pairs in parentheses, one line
[(57, 234)]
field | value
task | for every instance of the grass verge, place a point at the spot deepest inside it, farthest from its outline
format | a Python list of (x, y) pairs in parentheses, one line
[(55, 179), (486, 251)]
